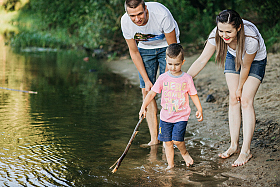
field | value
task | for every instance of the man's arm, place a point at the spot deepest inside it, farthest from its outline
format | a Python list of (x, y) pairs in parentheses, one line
[(138, 62), (171, 37)]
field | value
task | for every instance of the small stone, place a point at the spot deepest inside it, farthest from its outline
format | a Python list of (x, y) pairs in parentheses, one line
[(210, 98)]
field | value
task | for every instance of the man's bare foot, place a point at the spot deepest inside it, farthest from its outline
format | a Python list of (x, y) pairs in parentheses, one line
[(188, 159), (169, 167), (153, 142), (145, 145), (228, 152), (242, 159)]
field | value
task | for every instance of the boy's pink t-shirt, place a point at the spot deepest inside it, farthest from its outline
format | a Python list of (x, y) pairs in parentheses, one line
[(174, 97)]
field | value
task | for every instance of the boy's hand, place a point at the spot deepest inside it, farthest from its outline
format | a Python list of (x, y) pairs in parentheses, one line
[(199, 116), (142, 113)]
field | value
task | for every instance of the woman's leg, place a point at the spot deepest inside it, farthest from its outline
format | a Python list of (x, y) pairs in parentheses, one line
[(185, 154), (169, 152), (234, 114), (249, 119)]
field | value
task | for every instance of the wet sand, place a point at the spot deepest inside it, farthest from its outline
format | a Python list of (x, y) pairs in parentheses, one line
[(263, 168)]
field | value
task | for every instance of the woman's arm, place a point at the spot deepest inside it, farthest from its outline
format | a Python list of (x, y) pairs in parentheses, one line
[(138, 62), (244, 73), (202, 60)]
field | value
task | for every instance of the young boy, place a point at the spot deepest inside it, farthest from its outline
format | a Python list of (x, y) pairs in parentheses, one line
[(175, 86)]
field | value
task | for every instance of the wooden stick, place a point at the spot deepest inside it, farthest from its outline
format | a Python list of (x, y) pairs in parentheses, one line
[(118, 162), (31, 92)]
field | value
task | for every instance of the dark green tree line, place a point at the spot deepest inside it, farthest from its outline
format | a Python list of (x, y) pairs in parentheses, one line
[(96, 23)]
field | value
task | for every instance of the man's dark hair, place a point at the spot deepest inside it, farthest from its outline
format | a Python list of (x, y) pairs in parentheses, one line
[(134, 3)]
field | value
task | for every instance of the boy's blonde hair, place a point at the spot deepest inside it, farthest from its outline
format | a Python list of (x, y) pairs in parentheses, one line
[(175, 50)]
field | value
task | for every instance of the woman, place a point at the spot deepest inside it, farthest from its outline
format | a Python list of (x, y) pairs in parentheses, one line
[(239, 44)]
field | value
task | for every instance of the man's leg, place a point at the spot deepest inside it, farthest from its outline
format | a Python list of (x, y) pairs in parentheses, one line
[(151, 118)]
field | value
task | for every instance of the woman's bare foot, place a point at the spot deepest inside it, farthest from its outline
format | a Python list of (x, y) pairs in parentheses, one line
[(229, 152), (242, 159), (188, 159)]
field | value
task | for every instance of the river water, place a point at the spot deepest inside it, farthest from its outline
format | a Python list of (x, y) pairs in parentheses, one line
[(77, 126)]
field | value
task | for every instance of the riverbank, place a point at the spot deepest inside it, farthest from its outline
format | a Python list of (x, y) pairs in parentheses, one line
[(263, 169)]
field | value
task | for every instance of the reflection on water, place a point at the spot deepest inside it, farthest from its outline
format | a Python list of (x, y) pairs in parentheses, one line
[(77, 126)]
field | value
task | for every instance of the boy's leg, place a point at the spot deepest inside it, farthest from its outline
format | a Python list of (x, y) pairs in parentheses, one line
[(178, 135), (151, 118), (185, 154), (165, 135), (169, 152)]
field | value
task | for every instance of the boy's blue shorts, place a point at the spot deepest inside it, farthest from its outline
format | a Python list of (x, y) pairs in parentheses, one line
[(172, 131)]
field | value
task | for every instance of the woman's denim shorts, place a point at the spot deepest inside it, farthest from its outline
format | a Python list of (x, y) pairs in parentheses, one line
[(257, 68), (152, 59)]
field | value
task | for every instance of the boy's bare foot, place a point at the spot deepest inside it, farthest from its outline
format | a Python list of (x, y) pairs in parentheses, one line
[(188, 159), (242, 159), (228, 152)]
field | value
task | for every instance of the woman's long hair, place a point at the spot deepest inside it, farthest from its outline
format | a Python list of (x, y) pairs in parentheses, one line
[(233, 18)]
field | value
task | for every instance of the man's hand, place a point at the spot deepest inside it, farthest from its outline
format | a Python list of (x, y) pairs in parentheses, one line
[(148, 86)]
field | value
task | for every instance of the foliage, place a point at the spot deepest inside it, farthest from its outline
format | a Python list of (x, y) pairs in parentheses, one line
[(34, 39), (95, 24), (12, 5)]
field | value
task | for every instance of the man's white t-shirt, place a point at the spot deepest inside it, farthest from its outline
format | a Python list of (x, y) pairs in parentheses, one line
[(253, 44), (151, 35)]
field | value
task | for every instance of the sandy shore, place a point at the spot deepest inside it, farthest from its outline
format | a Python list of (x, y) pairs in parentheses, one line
[(263, 169)]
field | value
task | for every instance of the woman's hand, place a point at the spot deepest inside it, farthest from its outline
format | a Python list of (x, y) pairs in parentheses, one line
[(238, 95)]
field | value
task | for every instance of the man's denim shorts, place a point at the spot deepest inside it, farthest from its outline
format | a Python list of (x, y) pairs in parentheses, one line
[(152, 59), (257, 68), (172, 131)]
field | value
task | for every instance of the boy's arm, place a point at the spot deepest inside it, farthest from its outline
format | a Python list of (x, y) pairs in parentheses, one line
[(199, 114), (149, 97)]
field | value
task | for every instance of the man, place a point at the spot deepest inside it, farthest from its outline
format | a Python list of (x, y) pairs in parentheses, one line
[(151, 25)]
